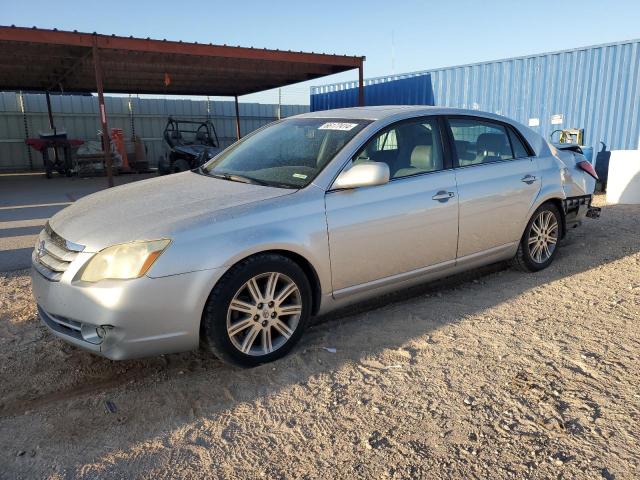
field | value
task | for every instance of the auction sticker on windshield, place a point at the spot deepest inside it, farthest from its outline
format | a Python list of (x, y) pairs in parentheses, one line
[(337, 126)]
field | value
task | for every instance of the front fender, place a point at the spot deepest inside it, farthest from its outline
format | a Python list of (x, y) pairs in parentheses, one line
[(295, 226)]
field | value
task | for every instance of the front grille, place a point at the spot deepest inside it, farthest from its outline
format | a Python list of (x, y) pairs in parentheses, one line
[(53, 254)]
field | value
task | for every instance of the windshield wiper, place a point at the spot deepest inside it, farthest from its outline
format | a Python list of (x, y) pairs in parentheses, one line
[(233, 177), (237, 178)]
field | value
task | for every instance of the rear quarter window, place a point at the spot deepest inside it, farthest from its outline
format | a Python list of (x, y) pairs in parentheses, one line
[(519, 150)]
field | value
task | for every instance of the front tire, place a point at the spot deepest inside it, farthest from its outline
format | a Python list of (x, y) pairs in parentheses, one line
[(181, 165), (257, 311), (539, 244)]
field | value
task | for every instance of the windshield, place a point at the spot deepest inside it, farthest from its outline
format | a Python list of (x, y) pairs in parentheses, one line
[(286, 154)]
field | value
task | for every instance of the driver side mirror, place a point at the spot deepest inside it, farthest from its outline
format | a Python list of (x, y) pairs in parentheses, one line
[(365, 174)]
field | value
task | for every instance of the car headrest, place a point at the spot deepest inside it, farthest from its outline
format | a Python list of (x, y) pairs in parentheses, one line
[(462, 147), (495, 143), (421, 157)]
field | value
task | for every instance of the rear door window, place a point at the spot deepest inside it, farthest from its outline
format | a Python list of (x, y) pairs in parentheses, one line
[(479, 141)]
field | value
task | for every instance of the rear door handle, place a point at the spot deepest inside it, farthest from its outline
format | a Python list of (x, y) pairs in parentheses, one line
[(443, 196), (529, 179)]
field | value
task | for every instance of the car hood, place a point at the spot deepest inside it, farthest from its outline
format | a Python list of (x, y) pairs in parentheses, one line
[(154, 208)]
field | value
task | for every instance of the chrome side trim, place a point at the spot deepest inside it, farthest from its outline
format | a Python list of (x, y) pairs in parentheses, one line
[(431, 272), (352, 295), (491, 255), (401, 277)]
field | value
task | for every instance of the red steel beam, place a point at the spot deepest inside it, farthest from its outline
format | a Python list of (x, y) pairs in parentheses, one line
[(144, 88), (62, 53), (105, 42)]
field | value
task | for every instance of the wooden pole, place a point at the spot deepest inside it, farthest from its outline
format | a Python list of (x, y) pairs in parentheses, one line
[(103, 116)]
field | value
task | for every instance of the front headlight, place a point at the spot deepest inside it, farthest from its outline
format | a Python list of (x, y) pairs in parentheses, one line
[(124, 261)]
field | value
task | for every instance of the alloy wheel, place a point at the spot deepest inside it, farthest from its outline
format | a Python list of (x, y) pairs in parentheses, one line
[(264, 313), (543, 236)]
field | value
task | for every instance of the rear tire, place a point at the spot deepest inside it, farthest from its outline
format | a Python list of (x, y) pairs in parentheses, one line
[(539, 244), (272, 301)]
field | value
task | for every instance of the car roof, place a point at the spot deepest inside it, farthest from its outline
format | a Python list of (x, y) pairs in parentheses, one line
[(383, 111), (390, 113)]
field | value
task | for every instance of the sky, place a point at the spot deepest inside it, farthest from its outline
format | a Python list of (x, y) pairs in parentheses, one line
[(396, 36)]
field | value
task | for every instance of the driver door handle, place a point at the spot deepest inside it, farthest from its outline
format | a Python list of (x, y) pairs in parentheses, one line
[(529, 179), (443, 196)]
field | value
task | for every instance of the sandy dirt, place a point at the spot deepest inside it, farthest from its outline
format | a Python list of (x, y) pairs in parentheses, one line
[(494, 374)]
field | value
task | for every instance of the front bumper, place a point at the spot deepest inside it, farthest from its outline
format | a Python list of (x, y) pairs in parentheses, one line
[(137, 318)]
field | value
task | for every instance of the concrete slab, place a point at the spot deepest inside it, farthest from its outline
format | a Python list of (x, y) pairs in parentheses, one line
[(28, 200)]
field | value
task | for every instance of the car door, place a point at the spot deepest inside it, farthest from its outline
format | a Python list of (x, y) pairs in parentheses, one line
[(497, 180), (409, 223)]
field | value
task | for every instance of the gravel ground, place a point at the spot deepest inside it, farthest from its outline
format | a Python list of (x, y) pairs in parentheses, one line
[(495, 374)]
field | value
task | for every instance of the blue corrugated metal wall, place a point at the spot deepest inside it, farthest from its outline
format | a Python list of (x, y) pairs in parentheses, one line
[(596, 88), (415, 90)]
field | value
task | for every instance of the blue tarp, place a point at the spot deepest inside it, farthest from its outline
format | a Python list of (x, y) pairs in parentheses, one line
[(407, 91)]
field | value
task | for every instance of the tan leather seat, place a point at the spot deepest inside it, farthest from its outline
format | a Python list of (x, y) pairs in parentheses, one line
[(421, 161), (421, 157)]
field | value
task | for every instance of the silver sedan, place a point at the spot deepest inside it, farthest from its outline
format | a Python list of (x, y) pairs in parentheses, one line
[(299, 218)]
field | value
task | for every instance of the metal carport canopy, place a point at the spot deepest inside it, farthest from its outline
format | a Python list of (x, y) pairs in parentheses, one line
[(50, 60), (53, 60)]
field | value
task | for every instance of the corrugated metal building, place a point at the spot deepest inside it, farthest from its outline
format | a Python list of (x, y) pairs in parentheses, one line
[(25, 115), (596, 88), (405, 91)]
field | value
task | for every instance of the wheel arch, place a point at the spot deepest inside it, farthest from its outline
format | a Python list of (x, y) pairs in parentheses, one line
[(557, 202), (306, 266), (556, 198), (309, 271)]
